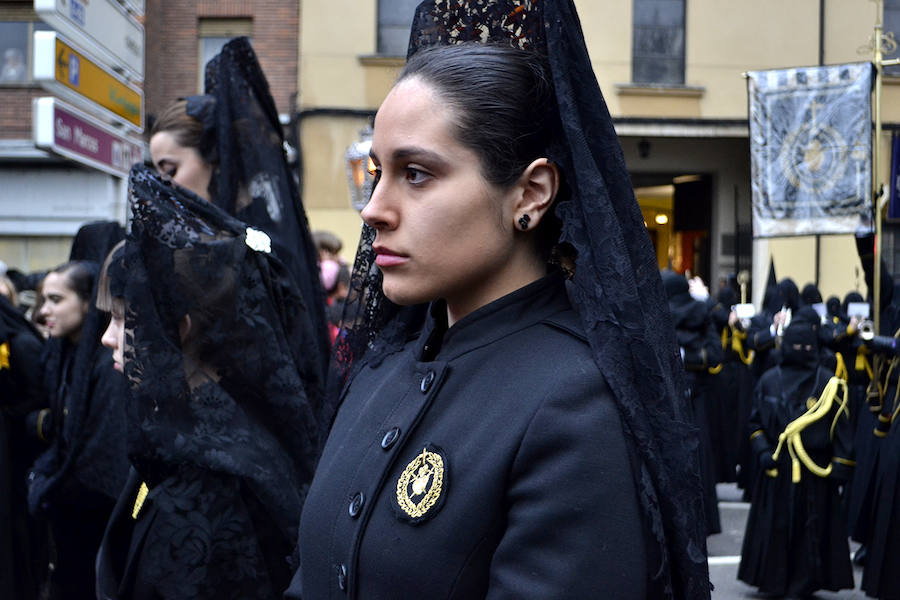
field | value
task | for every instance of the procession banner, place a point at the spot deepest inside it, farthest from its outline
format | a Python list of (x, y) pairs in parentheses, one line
[(811, 150), (894, 188)]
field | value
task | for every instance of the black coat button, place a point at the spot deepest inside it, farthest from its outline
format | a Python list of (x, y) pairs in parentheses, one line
[(342, 577), (390, 438), (426, 382), (356, 504)]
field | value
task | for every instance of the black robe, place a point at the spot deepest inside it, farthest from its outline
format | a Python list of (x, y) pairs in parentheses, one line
[(74, 483), (701, 351), (197, 534), (20, 393), (538, 492), (730, 396), (796, 542)]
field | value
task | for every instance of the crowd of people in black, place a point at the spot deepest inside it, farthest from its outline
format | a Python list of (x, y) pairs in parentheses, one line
[(796, 405), (491, 402)]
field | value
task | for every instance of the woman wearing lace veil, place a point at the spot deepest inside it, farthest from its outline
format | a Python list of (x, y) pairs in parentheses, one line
[(512, 424), (208, 328), (227, 147)]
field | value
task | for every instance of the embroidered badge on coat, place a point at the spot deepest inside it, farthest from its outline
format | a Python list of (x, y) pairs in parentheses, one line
[(422, 486)]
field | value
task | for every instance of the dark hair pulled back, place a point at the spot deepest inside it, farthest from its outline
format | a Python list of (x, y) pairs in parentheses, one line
[(503, 108), (80, 276), (186, 130), (502, 101)]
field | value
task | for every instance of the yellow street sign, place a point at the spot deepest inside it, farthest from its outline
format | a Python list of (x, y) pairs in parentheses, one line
[(79, 79), (83, 76)]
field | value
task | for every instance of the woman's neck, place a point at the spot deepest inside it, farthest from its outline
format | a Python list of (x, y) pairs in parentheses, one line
[(516, 275)]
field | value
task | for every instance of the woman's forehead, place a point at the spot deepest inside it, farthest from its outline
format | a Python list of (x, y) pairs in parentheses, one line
[(55, 282), (412, 116)]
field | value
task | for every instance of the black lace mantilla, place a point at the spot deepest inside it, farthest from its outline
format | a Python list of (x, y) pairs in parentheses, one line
[(216, 339), (243, 140), (615, 288)]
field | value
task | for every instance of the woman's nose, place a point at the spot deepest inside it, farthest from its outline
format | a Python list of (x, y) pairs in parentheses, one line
[(378, 212), (109, 337)]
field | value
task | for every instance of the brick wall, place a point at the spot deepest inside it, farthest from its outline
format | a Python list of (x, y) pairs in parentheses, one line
[(172, 53), (15, 111), (172, 45)]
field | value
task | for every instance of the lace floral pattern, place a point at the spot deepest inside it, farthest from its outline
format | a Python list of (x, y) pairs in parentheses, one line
[(242, 138), (214, 335)]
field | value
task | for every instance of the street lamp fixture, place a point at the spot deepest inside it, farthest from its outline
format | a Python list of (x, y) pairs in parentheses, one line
[(360, 169)]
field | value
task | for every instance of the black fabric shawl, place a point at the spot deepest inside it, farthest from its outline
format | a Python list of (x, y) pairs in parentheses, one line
[(615, 288), (86, 395), (94, 241), (20, 392), (21, 381), (229, 397), (243, 140)]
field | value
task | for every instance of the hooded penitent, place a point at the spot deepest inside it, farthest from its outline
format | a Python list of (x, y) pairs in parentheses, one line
[(615, 287), (800, 343)]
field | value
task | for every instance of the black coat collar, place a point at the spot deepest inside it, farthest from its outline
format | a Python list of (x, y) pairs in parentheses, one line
[(522, 308)]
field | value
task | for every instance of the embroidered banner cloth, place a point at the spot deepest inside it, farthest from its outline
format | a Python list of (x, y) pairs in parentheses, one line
[(811, 150)]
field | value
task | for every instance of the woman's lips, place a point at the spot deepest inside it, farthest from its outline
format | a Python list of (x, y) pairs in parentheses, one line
[(387, 258)]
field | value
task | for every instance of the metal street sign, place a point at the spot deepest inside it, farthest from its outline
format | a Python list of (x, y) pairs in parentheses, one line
[(102, 27), (65, 130), (66, 72)]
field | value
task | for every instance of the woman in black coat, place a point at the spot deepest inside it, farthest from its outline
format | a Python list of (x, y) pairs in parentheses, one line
[(486, 443), (79, 474)]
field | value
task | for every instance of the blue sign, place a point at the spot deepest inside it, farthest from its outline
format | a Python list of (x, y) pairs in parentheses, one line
[(76, 12), (74, 69)]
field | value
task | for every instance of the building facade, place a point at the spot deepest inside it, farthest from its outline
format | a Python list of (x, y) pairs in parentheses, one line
[(44, 198), (672, 75)]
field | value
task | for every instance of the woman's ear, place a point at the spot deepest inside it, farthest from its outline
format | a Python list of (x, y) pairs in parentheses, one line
[(535, 192), (184, 327)]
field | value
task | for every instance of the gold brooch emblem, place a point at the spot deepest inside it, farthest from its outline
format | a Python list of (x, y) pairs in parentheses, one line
[(421, 483)]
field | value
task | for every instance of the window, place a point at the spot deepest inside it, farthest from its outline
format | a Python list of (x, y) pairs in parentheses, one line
[(892, 25), (658, 42), (15, 50), (215, 33), (394, 22)]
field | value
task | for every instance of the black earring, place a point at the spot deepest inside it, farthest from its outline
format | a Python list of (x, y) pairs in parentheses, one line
[(524, 220)]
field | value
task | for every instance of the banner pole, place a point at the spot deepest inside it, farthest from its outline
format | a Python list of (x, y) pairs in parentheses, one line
[(876, 169)]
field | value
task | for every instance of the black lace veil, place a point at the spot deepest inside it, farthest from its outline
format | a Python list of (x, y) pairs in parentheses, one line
[(615, 287), (242, 138), (216, 349)]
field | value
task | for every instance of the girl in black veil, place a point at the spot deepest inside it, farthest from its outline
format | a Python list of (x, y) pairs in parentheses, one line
[(75, 481), (209, 329), (525, 435)]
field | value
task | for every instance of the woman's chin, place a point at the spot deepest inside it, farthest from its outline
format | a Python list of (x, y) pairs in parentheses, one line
[(404, 295)]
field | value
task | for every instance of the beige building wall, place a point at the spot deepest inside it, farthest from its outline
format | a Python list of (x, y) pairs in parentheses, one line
[(339, 69)]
